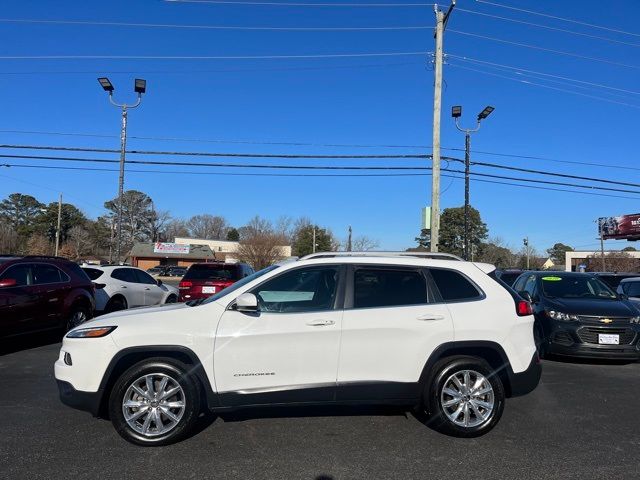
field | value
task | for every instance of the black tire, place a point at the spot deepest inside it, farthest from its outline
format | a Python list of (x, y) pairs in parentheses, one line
[(434, 397), (190, 395), (78, 314), (115, 304), (171, 299)]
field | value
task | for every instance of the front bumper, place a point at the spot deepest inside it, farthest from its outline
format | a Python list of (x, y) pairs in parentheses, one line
[(581, 340)]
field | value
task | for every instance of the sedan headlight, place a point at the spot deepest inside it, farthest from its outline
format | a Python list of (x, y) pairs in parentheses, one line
[(566, 317), (93, 332)]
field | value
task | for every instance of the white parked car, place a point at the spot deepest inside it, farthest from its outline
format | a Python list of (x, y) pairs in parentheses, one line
[(436, 333), (127, 287)]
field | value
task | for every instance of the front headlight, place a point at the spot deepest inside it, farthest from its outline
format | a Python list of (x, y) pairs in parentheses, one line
[(93, 332), (562, 316)]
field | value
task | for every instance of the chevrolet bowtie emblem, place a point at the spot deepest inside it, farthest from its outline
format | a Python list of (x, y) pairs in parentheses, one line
[(606, 320)]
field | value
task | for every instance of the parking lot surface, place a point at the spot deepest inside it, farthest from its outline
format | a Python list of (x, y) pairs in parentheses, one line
[(582, 422)]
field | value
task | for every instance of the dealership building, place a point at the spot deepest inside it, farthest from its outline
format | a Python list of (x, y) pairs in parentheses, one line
[(186, 251)]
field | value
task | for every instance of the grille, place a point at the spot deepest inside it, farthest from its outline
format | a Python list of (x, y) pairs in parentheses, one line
[(562, 338), (590, 334), (617, 321)]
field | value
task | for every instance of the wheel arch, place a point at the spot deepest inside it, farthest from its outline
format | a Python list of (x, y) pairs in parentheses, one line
[(489, 351), (128, 357)]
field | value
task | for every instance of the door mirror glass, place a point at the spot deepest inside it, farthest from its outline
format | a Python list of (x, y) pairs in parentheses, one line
[(8, 282), (524, 294), (247, 302)]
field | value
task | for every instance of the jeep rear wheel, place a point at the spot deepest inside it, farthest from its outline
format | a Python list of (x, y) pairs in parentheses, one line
[(465, 397), (155, 402)]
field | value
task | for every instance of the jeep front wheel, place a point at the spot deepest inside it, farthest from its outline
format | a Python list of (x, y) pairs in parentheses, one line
[(155, 402), (465, 397)]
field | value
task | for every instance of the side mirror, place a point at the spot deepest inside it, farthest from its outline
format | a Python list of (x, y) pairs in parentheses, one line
[(623, 296), (159, 282), (526, 296), (8, 282), (247, 302)]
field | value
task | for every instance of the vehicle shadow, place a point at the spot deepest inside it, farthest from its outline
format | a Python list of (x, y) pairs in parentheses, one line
[(27, 342), (299, 411), (587, 361)]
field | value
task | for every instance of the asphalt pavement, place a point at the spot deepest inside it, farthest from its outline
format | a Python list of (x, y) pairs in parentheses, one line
[(582, 422)]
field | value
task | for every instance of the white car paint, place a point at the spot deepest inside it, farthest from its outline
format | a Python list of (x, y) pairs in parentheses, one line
[(136, 294), (239, 351)]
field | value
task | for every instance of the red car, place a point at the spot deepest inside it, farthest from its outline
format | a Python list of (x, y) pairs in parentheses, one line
[(205, 279), (40, 293)]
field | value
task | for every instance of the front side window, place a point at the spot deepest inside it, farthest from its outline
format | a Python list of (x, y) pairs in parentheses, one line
[(20, 273), (530, 285), (299, 290), (453, 286), (388, 288), (144, 277), (43, 274), (631, 288)]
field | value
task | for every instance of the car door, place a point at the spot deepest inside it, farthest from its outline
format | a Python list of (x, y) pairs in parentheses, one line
[(18, 303), (288, 350), (391, 324), (53, 288), (126, 283), (153, 294)]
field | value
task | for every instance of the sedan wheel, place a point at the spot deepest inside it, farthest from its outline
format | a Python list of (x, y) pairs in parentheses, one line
[(78, 316)]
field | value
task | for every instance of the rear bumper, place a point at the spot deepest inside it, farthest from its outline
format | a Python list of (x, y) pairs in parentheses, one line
[(86, 401), (526, 381)]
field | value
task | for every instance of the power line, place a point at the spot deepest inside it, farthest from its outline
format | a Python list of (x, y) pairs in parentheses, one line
[(547, 27), (519, 69), (551, 50), (209, 27), (564, 19), (206, 57), (322, 167), (304, 4), (528, 82), (315, 175)]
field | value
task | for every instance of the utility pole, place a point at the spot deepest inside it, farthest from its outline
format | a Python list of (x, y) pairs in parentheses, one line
[(601, 245), (314, 240), (59, 222), (526, 248), (456, 113), (349, 245), (140, 87), (441, 22)]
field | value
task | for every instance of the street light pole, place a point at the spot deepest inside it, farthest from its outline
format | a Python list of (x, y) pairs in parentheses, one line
[(456, 113), (140, 87)]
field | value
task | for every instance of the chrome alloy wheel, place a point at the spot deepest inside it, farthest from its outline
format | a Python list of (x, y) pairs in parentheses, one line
[(154, 404), (467, 398)]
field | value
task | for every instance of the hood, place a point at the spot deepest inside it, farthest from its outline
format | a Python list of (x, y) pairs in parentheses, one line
[(581, 306), (108, 319)]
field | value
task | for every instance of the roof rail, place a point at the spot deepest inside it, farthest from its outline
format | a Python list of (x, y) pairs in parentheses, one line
[(431, 255), (48, 257)]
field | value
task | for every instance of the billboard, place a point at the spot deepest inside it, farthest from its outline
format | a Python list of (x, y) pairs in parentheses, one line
[(171, 248), (624, 227)]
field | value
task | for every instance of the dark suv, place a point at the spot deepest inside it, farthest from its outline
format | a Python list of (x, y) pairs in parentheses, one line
[(42, 293), (205, 279), (578, 315)]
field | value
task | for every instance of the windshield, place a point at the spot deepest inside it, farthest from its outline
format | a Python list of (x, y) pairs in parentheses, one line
[(575, 287), (211, 272), (234, 287)]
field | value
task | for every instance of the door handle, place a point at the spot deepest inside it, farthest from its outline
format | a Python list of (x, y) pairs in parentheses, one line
[(123, 286), (430, 317), (147, 289), (320, 323)]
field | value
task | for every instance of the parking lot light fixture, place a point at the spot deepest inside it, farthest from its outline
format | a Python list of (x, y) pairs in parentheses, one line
[(140, 87), (456, 113)]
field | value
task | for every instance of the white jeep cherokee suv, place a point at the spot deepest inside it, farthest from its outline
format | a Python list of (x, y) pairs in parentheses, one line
[(436, 333)]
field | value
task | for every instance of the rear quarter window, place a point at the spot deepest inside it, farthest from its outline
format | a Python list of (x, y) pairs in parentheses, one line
[(92, 273), (453, 286)]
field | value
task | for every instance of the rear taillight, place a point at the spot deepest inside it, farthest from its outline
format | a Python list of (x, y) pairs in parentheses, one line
[(523, 308), (184, 285)]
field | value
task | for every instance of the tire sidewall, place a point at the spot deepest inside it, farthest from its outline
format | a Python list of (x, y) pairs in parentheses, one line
[(189, 386), (77, 307), (119, 303), (443, 371)]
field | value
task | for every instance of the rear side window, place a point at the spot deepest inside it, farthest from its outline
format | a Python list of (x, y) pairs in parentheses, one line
[(43, 274), (387, 288), (453, 286), (92, 273), (124, 275), (212, 272), (20, 273)]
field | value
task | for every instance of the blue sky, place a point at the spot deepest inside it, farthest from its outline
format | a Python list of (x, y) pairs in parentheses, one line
[(367, 101)]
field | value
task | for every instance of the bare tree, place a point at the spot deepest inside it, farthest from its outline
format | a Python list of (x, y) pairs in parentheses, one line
[(614, 262), (176, 228), (159, 221), (362, 243), (38, 245), (79, 240), (208, 227), (260, 245), (8, 239)]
